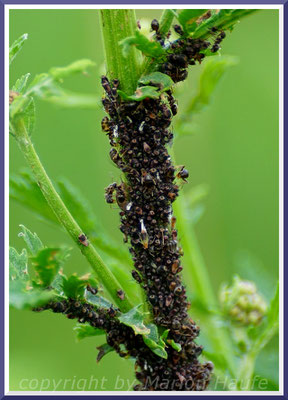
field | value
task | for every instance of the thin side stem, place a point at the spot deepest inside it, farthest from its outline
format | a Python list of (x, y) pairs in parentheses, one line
[(116, 26), (196, 273), (52, 197)]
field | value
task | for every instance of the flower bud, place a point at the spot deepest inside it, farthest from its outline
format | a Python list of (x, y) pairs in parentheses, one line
[(242, 302)]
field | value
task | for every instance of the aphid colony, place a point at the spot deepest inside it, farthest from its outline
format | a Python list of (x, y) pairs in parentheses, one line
[(153, 372), (185, 51), (138, 134)]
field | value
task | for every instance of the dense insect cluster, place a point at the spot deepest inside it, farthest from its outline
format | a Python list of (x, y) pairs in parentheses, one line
[(139, 134), (153, 372), (185, 51)]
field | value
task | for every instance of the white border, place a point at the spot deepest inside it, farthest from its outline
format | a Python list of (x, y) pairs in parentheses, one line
[(279, 7)]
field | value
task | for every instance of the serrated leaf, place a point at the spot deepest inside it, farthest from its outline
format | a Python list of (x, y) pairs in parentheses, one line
[(16, 47), (18, 264), (84, 331), (134, 318), (162, 81), (103, 350), (152, 341), (73, 286), (71, 69), (21, 83), (97, 300), (32, 241), (141, 42), (21, 298), (188, 18), (46, 264)]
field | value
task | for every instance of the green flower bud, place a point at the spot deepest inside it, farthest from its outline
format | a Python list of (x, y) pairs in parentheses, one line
[(242, 302)]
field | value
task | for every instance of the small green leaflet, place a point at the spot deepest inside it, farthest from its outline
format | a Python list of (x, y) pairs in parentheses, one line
[(32, 241), (103, 350), (97, 301), (18, 265), (141, 42), (134, 319), (16, 47), (46, 87), (79, 66), (46, 264), (21, 293), (154, 343), (188, 18), (21, 83), (141, 93), (73, 287), (162, 81), (174, 345), (84, 331)]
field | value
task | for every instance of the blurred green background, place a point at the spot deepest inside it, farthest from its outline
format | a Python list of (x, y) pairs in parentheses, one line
[(234, 150)]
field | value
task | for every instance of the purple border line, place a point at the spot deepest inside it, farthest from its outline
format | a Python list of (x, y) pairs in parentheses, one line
[(285, 150)]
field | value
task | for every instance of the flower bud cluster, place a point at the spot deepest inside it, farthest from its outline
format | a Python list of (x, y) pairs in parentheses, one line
[(242, 302)]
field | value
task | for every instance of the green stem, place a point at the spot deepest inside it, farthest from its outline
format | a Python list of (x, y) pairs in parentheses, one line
[(166, 21), (103, 273), (246, 370), (195, 272), (164, 26), (116, 26)]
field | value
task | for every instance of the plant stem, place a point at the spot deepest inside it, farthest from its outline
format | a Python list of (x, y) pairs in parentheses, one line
[(246, 371), (164, 26), (197, 275), (102, 271), (116, 26), (166, 21)]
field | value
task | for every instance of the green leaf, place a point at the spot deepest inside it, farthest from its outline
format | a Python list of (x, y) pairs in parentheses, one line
[(16, 47), (21, 298), (103, 350), (46, 87), (188, 18), (79, 66), (46, 264), (154, 343), (162, 81), (141, 93), (21, 83), (211, 75), (74, 287), (32, 241), (224, 19), (134, 319), (97, 300), (141, 42), (84, 331), (174, 345), (18, 265)]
